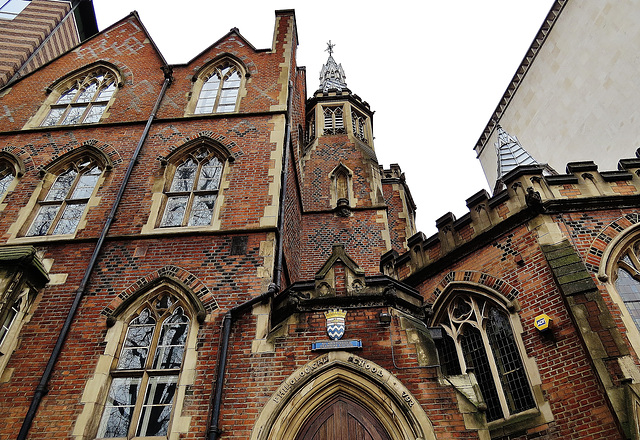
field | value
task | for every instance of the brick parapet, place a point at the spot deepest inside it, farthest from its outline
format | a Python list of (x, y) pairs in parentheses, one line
[(582, 188)]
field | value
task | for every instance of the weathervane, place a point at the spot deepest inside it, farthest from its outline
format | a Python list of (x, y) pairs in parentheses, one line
[(330, 48)]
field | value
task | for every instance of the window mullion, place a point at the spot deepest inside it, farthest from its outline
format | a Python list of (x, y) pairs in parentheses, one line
[(497, 379), (635, 269), (137, 409), (187, 211), (62, 205)]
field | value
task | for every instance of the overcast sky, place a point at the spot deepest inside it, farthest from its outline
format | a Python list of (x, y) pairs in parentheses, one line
[(433, 71)]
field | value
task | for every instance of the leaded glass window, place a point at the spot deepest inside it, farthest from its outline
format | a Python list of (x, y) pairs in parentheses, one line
[(62, 207), (85, 101), (220, 91), (9, 319), (193, 190), (333, 120), (145, 378), (486, 345), (628, 281), (7, 172)]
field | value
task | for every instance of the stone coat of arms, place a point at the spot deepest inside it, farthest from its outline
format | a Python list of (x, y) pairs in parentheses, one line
[(335, 323)]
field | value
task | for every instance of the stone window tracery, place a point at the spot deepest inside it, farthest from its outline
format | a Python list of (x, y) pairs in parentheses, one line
[(144, 377), (60, 210), (485, 344), (84, 101), (333, 120), (311, 127), (220, 90), (192, 191), (359, 125)]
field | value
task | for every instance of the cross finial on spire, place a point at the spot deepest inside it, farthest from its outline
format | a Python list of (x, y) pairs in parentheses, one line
[(330, 48)]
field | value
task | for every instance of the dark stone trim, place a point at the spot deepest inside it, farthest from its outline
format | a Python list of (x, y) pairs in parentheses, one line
[(616, 176), (561, 179), (581, 167), (499, 198)]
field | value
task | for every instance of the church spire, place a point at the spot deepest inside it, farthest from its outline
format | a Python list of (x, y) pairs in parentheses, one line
[(510, 152), (332, 76)]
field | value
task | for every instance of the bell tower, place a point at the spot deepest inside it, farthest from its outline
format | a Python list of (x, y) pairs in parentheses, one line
[(344, 190), (339, 145)]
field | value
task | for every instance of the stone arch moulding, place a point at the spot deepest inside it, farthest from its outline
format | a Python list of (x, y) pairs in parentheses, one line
[(104, 159), (473, 281), (313, 384), (219, 143), (248, 66), (613, 238), (198, 295), (70, 76), (15, 160)]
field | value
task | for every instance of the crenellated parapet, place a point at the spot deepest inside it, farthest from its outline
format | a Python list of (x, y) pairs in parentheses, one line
[(528, 193)]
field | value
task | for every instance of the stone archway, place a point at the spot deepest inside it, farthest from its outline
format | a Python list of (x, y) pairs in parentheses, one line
[(314, 393)]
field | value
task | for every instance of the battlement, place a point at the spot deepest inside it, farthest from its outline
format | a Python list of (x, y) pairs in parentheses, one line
[(528, 193)]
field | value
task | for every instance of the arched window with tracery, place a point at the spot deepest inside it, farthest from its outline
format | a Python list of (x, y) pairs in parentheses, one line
[(333, 120), (627, 280), (83, 100), (145, 375), (192, 187), (62, 205), (482, 340), (220, 89)]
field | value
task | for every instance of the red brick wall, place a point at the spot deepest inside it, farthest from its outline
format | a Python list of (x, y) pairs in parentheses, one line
[(569, 385)]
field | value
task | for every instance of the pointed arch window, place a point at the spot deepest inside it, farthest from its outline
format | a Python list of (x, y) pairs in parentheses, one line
[(484, 343), (7, 175), (627, 280), (84, 101), (220, 90), (144, 377), (333, 120), (192, 190), (60, 210), (359, 125)]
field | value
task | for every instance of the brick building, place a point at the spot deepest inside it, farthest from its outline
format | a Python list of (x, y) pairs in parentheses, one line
[(36, 31), (200, 251)]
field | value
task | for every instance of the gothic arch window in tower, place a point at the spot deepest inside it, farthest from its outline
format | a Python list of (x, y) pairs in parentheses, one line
[(359, 125), (219, 93), (60, 210), (193, 189), (627, 280), (84, 101), (311, 126), (485, 344), (333, 120)]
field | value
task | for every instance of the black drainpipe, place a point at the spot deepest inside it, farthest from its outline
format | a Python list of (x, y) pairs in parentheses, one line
[(41, 389), (214, 429)]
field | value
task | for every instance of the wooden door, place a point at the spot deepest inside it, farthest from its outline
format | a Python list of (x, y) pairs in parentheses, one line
[(342, 419)]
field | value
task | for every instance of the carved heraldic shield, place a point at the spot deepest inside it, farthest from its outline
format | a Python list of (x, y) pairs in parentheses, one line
[(335, 323)]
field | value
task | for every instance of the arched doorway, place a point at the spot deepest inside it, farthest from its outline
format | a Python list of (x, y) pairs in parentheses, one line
[(342, 418), (343, 387)]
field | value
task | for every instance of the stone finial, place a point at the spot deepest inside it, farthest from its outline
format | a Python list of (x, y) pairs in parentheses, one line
[(332, 76)]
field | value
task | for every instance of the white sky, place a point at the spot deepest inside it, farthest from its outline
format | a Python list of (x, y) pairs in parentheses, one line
[(432, 70)]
